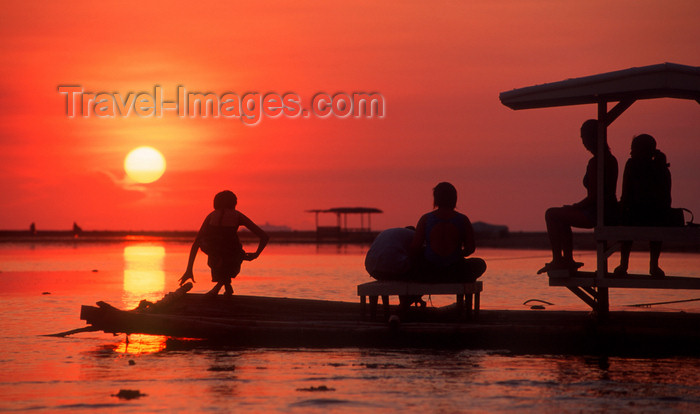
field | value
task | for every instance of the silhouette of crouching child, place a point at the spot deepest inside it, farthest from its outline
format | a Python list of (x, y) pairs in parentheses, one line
[(646, 198), (218, 238)]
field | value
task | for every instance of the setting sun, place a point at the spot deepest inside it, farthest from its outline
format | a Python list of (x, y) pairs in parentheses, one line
[(144, 164)]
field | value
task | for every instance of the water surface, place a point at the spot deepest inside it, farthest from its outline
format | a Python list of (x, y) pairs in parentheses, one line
[(43, 286)]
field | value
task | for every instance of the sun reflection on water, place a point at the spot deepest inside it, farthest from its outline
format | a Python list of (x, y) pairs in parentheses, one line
[(136, 344), (144, 274)]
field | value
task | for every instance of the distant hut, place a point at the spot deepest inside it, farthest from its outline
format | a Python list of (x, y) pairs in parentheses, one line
[(489, 231), (341, 231)]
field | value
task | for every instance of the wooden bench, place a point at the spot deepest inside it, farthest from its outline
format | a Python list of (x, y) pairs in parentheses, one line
[(593, 287), (465, 292), (587, 286)]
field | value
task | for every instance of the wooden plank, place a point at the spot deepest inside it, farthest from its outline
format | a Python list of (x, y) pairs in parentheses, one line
[(379, 288), (444, 288), (587, 279), (688, 234)]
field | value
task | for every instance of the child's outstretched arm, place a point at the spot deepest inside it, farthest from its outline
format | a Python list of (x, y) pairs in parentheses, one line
[(193, 253), (264, 238)]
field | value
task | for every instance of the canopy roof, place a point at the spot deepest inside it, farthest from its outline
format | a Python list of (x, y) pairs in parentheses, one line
[(348, 210), (665, 80)]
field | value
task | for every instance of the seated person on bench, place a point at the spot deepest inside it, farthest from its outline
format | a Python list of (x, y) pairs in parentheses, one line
[(443, 239), (583, 214), (646, 197)]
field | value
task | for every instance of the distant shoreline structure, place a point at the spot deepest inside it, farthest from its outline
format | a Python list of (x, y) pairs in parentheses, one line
[(510, 240)]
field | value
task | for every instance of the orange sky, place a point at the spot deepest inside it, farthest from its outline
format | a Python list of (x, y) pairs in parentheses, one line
[(439, 65)]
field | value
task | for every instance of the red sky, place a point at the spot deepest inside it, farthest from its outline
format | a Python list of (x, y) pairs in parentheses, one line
[(439, 66)]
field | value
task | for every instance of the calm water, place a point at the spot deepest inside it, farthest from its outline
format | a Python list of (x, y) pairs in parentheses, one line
[(42, 287)]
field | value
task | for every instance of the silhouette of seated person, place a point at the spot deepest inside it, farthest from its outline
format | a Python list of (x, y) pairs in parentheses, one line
[(443, 239), (645, 199), (218, 237), (583, 214)]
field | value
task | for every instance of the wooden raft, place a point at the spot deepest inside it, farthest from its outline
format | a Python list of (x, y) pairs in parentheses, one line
[(468, 293)]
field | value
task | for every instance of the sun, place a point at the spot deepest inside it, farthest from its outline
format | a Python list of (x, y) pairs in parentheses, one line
[(144, 164)]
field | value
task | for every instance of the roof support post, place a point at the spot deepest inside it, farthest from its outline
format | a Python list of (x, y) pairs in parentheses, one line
[(605, 118), (600, 167), (602, 259)]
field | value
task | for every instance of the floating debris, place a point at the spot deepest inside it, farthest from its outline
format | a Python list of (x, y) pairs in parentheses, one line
[(45, 293), (336, 364), (132, 362), (129, 394), (649, 305), (543, 302), (222, 368), (321, 388)]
